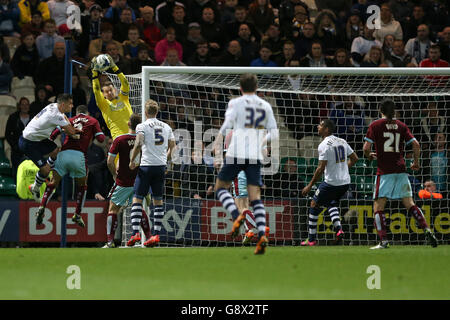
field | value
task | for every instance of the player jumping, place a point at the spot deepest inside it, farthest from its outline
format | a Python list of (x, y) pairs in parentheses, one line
[(389, 136), (335, 158), (115, 108), (34, 141), (72, 160), (246, 115), (156, 140)]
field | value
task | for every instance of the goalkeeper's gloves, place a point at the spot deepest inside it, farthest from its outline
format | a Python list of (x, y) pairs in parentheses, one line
[(113, 66), (94, 64)]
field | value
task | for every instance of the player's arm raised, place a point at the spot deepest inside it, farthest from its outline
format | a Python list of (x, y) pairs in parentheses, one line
[(136, 150), (124, 85), (317, 174)]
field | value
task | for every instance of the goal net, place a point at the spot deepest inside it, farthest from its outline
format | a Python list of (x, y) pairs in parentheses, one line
[(193, 102)]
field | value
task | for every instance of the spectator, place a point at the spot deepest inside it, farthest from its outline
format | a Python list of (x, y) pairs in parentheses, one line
[(388, 25), (439, 162), (295, 30), (41, 96), (172, 58), (6, 76), (197, 7), (287, 183), (163, 12), (201, 56), (399, 57), (412, 22), (151, 32), (341, 59), (197, 178), (9, 18), (362, 6), (327, 33), (17, 121), (120, 32), (361, 45), (144, 58), (305, 40), (179, 24), (287, 55), (273, 39), (374, 58), (444, 43), (340, 8), (232, 57), (354, 27), (91, 26), (247, 41), (114, 12), (432, 123), (35, 26), (50, 71), (194, 36), (264, 58), (388, 45), (286, 14), (212, 31), (240, 17), (131, 46), (227, 11), (26, 58), (434, 60), (98, 46), (169, 42), (78, 94), (437, 13), (261, 13), (123, 63), (348, 115), (4, 49), (46, 41), (315, 58), (28, 7), (418, 47), (430, 191), (58, 12), (401, 10)]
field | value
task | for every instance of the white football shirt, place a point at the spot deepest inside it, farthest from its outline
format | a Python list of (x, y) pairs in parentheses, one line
[(42, 125), (336, 151), (156, 141), (247, 116)]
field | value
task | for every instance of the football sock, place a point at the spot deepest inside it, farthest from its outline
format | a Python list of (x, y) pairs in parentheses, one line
[(227, 202), (81, 197), (312, 224), (380, 224), (158, 215), (335, 219), (136, 214), (111, 226), (47, 194), (51, 162), (39, 180), (249, 220), (418, 215), (260, 217), (145, 224)]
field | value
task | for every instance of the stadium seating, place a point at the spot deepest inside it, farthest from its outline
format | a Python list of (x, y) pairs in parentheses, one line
[(23, 88), (13, 43), (7, 186), (8, 105)]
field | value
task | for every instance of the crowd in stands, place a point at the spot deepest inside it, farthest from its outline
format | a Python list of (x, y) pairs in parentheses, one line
[(259, 33)]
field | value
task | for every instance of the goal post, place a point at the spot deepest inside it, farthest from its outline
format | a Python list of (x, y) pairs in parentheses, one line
[(193, 101)]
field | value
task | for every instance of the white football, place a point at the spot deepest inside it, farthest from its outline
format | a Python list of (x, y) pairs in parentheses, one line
[(102, 62)]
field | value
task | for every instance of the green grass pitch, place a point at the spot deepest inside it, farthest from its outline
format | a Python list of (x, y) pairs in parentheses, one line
[(288, 273)]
